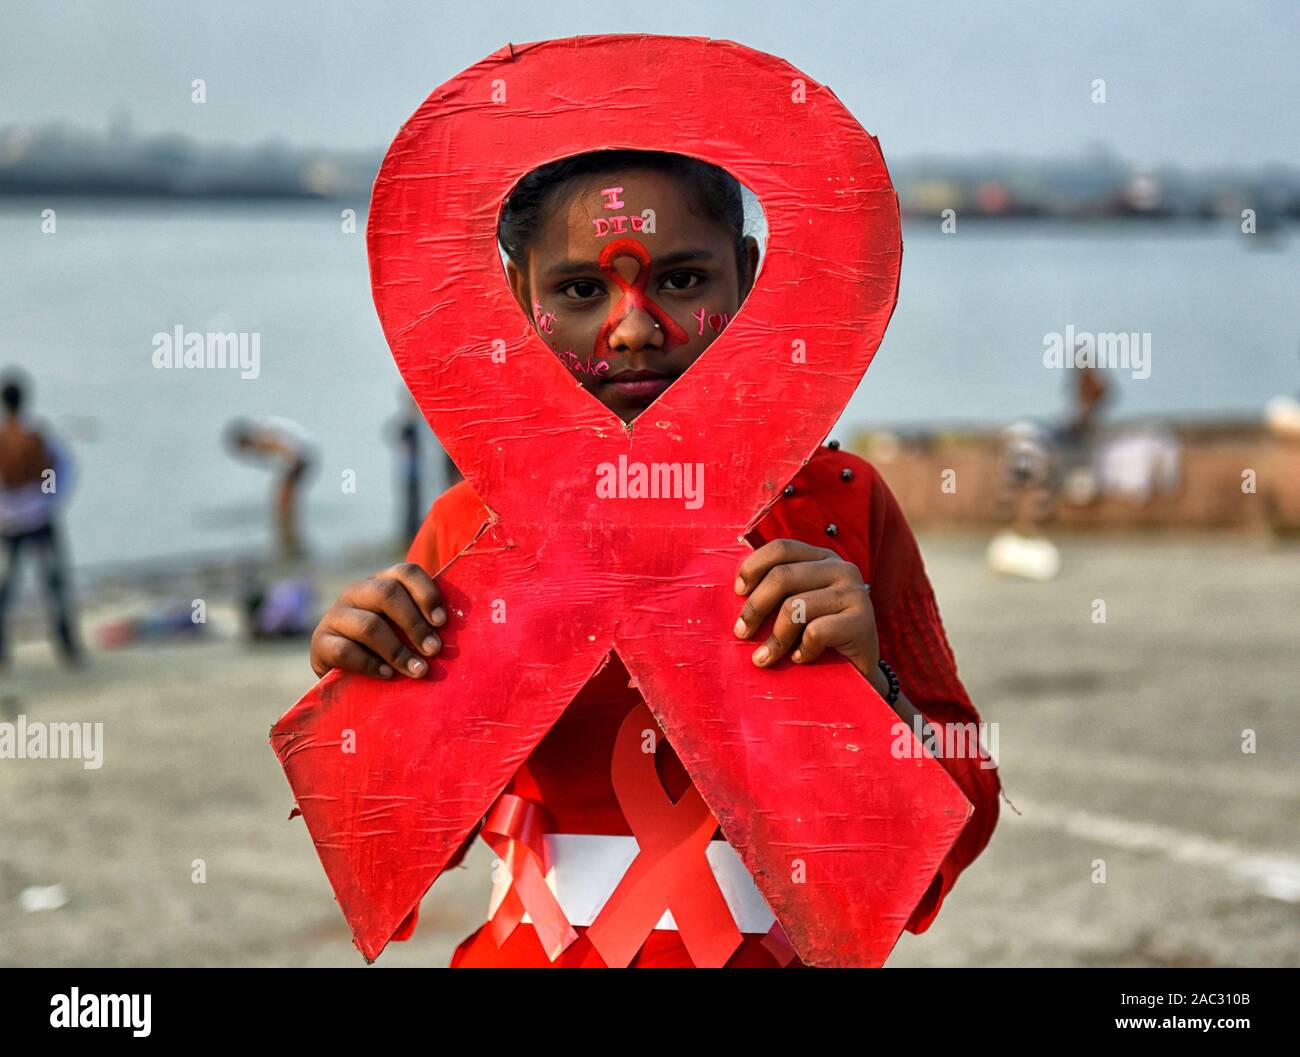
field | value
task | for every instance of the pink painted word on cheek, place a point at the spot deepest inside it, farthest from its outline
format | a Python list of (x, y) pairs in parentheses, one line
[(717, 320), (571, 361), (545, 320), (612, 201)]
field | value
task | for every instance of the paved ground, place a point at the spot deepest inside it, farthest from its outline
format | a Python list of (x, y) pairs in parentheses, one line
[(1120, 743)]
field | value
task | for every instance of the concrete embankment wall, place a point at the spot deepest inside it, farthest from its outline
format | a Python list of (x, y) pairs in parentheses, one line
[(1213, 489)]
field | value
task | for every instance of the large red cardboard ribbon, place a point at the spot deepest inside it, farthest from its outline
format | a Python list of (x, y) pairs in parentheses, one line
[(795, 763)]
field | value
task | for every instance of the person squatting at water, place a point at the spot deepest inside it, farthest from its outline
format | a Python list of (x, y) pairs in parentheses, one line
[(278, 441)]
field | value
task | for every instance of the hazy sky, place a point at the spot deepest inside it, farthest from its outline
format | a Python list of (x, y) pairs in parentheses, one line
[(1197, 83)]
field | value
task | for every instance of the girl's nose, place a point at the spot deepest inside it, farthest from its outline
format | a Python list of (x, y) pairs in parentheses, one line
[(636, 332)]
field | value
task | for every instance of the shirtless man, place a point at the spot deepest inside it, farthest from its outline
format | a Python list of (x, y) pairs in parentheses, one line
[(33, 477)]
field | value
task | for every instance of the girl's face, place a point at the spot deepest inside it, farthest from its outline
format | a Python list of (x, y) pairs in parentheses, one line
[(628, 283)]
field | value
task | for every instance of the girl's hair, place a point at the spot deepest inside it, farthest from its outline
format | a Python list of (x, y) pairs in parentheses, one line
[(525, 210)]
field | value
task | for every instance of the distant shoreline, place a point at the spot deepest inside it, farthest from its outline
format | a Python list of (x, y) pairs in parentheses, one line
[(21, 195), (150, 194)]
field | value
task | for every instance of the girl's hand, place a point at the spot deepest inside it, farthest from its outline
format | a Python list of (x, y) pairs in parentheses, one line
[(822, 602), (355, 633)]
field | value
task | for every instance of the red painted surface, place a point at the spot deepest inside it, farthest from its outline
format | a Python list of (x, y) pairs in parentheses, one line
[(670, 872), (634, 295), (794, 761)]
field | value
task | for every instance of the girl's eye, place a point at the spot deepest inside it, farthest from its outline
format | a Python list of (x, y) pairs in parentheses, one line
[(583, 290), (682, 280)]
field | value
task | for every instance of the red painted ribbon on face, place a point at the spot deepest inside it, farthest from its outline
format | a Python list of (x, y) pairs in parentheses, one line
[(513, 829), (634, 295), (670, 871), (796, 762)]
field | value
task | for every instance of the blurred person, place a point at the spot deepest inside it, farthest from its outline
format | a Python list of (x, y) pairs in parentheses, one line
[(284, 610), (1282, 417), (34, 476), (1138, 463), (451, 470), (170, 621), (1090, 394), (405, 431), (1282, 467), (1038, 464), (1076, 438), (283, 443), (1027, 493)]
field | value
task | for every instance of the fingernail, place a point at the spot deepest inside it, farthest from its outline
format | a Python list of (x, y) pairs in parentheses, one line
[(797, 657), (760, 655), (430, 645), (416, 667), (385, 671), (740, 628), (439, 616), (740, 586)]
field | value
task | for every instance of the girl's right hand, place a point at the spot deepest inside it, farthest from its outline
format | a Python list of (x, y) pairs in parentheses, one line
[(355, 633)]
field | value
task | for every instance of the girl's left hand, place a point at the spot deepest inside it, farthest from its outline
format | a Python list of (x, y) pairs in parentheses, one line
[(823, 604)]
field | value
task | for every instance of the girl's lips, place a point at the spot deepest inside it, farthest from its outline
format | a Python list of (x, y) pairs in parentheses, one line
[(640, 385)]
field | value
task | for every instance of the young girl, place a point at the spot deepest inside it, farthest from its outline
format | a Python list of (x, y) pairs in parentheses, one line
[(836, 542)]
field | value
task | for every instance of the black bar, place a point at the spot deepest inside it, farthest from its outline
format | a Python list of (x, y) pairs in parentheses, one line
[(906, 1010)]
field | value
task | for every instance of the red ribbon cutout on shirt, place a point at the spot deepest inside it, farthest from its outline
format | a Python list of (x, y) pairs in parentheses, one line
[(634, 295), (513, 829), (670, 871)]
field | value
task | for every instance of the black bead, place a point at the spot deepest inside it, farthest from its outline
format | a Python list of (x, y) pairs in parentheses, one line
[(846, 474), (892, 679), (832, 529), (834, 445), (789, 489)]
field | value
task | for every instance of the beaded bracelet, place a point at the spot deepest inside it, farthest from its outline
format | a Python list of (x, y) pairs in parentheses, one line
[(894, 688)]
